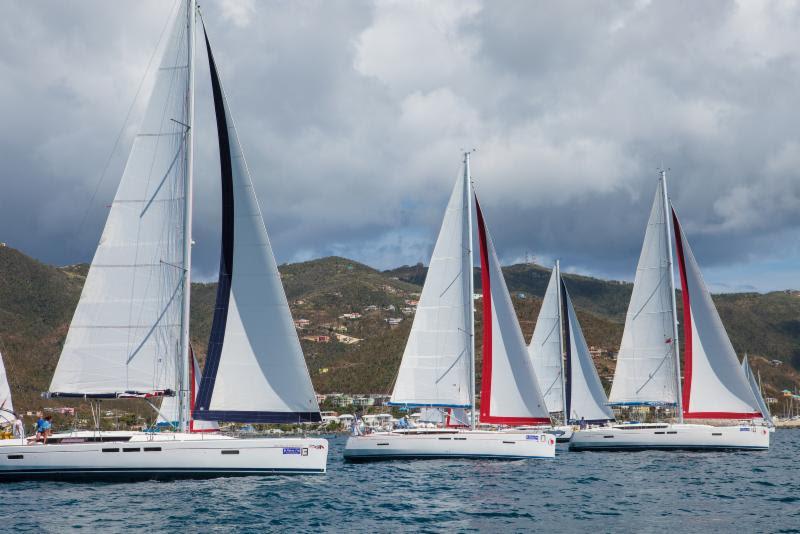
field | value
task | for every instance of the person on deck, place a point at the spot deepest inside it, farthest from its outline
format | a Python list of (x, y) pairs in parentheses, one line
[(47, 427), (582, 424), (39, 427)]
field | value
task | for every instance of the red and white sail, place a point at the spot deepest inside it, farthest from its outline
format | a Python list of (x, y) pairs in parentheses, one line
[(714, 386), (510, 392)]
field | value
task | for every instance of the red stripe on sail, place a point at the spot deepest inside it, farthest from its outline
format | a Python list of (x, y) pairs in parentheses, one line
[(192, 389), (687, 317), (486, 378)]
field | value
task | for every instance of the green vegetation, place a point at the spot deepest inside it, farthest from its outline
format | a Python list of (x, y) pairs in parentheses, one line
[(37, 302)]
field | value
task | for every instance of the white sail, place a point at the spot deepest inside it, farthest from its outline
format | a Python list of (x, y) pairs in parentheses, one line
[(255, 370), (169, 412), (714, 384), (125, 333), (509, 389), (586, 396), (545, 348), (6, 406), (756, 389), (435, 369), (645, 372)]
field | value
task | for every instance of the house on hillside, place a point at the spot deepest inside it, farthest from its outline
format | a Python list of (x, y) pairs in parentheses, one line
[(408, 310), (390, 307), (394, 321), (371, 308), (318, 339), (301, 323), (351, 316), (347, 340)]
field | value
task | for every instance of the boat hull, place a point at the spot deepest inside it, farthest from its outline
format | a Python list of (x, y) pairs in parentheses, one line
[(140, 456), (671, 436), (449, 444)]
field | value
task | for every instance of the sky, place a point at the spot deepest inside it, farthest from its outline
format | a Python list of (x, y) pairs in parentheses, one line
[(353, 116)]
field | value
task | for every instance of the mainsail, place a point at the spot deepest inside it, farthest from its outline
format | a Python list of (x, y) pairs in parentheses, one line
[(436, 365), (646, 363), (714, 384), (586, 397), (255, 371), (6, 406), (545, 348), (509, 390), (755, 387), (125, 335)]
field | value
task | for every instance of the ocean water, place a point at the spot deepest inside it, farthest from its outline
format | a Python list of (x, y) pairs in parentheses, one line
[(588, 491)]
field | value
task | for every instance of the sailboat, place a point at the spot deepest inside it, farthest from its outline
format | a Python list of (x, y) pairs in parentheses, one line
[(129, 336), (570, 386), (438, 365), (648, 366), (755, 387)]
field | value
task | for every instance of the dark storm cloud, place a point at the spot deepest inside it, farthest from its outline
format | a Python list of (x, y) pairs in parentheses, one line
[(352, 115)]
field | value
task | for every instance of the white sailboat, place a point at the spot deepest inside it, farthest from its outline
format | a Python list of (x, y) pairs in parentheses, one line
[(563, 364), (438, 365), (129, 336), (755, 387), (648, 367)]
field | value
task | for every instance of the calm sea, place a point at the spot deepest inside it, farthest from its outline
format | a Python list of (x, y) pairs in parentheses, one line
[(661, 492)]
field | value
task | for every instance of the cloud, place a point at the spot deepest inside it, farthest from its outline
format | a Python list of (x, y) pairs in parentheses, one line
[(352, 116)]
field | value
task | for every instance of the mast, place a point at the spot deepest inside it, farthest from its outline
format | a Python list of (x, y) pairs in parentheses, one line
[(667, 226), (471, 322), (561, 343), (185, 379)]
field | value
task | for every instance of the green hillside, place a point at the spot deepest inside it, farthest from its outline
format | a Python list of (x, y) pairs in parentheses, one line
[(37, 302)]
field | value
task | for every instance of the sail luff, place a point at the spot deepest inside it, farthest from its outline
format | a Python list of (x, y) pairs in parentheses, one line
[(675, 340), (471, 291), (565, 414), (185, 384), (755, 386)]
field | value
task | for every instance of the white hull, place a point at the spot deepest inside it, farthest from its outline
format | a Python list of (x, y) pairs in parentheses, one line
[(139, 455), (671, 436), (424, 444), (562, 433)]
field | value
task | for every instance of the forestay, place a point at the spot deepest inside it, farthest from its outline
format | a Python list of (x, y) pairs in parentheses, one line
[(510, 392), (755, 387), (714, 384), (435, 369), (645, 371), (585, 395), (545, 348), (255, 371), (125, 333)]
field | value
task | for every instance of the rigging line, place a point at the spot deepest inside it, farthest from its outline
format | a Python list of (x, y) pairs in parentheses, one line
[(161, 316), (121, 130)]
